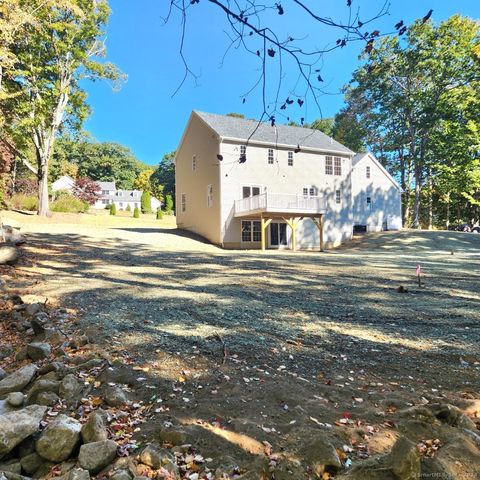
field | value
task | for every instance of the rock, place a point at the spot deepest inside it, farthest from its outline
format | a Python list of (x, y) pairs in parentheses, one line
[(97, 455), (156, 457), (21, 355), (16, 399), (31, 298), (33, 308), (32, 462), (12, 466), (94, 430), (38, 350), (11, 235), (18, 425), (451, 415), (8, 254), (41, 386), (322, 457), (78, 341), (121, 475), (37, 326), (14, 476), (47, 398), (52, 367), (405, 459), (3, 373), (78, 474), (58, 441), (70, 388), (17, 380), (115, 396), (174, 437)]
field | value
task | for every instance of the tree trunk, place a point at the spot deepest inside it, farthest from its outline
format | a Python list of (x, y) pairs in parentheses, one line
[(430, 199), (448, 210), (43, 206), (418, 197)]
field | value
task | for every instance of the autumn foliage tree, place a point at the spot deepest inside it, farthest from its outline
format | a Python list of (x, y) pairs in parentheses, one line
[(87, 190)]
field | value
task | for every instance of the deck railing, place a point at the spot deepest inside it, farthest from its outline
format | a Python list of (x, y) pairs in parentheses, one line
[(281, 202)]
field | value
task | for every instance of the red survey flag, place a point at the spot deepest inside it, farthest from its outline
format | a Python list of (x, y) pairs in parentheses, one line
[(419, 270)]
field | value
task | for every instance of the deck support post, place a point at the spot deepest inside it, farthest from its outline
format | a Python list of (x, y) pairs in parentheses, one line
[(319, 224), (292, 223), (264, 223)]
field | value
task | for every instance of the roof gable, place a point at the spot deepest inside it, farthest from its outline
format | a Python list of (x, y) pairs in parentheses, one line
[(361, 156), (234, 128)]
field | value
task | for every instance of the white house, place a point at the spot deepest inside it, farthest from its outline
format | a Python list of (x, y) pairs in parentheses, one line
[(121, 198), (242, 184), (65, 182), (376, 196)]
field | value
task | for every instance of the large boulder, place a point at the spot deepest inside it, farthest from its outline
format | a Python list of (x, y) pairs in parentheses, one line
[(321, 456), (18, 379), (8, 254), (18, 425), (11, 235), (97, 455), (94, 430), (59, 439), (31, 463), (115, 396), (157, 457), (41, 386), (405, 459)]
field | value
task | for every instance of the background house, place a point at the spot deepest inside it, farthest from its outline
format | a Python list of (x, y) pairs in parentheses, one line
[(65, 182), (122, 198), (291, 183)]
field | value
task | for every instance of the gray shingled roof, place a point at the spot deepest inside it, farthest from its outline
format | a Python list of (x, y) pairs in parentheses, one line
[(239, 128), (107, 185)]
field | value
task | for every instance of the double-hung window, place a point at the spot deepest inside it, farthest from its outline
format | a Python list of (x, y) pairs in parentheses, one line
[(270, 156), (194, 163), (251, 231), (290, 159), (367, 171), (209, 196), (338, 196), (328, 165), (337, 166), (183, 202)]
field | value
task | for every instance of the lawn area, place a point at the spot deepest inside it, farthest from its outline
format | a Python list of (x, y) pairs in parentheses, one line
[(245, 348)]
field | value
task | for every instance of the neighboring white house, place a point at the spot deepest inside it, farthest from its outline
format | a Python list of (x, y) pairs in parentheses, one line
[(376, 196), (121, 198), (65, 182), (290, 187)]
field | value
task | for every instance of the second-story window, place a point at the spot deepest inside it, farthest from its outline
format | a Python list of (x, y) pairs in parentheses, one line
[(184, 202), (270, 156), (328, 166), (367, 171), (290, 159), (310, 191), (194, 162), (337, 166)]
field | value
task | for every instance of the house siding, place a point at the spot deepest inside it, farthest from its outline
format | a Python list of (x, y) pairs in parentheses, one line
[(308, 170), (199, 218), (385, 210)]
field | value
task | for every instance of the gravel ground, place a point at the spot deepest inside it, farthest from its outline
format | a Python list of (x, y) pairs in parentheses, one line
[(263, 342)]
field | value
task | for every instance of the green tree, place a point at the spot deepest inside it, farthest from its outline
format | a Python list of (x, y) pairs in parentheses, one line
[(159, 213), (146, 202), (405, 92), (168, 204), (163, 178), (57, 50), (113, 209), (136, 213)]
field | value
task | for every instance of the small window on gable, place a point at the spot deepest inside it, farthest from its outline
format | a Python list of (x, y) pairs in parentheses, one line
[(270, 156), (184, 202), (194, 162), (243, 149), (209, 195), (338, 166), (338, 196), (328, 165), (367, 171), (290, 159)]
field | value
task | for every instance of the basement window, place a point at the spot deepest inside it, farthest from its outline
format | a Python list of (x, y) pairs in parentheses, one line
[(251, 231)]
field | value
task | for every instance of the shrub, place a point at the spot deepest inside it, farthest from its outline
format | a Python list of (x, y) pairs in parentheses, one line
[(136, 213), (168, 204), (69, 204), (21, 201), (146, 202), (108, 206), (113, 209), (28, 186), (129, 208), (159, 213)]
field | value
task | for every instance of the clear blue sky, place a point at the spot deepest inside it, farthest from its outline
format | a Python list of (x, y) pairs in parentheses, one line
[(144, 116)]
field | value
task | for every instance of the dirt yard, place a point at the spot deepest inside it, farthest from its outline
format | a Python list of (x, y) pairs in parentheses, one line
[(245, 352)]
